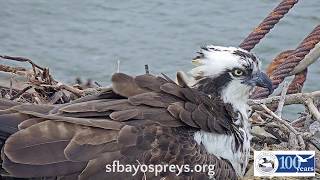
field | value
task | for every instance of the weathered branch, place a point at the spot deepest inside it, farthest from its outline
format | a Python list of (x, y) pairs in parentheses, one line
[(282, 99), (310, 58), (279, 119), (21, 92), (118, 66), (292, 129), (313, 109), (15, 70), (299, 98), (21, 59), (71, 89)]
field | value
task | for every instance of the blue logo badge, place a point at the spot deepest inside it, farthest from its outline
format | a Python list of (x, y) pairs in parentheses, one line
[(284, 163)]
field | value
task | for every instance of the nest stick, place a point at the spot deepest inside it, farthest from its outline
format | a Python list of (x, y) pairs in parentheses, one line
[(298, 98), (313, 109), (282, 99), (71, 89), (21, 59), (310, 58), (20, 93), (292, 129)]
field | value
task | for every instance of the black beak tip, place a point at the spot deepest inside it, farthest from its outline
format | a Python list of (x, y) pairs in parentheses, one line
[(265, 81), (270, 88)]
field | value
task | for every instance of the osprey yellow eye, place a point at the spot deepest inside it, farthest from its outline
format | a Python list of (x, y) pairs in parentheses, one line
[(238, 72)]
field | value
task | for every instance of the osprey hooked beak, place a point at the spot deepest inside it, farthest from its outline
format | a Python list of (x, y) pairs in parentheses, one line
[(260, 79)]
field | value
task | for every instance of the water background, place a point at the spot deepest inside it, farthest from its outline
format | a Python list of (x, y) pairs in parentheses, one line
[(86, 38)]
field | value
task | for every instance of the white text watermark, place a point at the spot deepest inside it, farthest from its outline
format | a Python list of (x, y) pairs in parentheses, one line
[(116, 166)]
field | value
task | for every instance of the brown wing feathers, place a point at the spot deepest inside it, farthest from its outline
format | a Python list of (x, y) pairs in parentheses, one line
[(175, 146), (150, 118), (89, 143)]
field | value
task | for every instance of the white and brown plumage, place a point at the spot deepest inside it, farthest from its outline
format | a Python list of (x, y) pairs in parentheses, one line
[(146, 118)]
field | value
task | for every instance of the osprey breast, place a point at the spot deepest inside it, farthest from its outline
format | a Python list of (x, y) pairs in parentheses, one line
[(224, 146)]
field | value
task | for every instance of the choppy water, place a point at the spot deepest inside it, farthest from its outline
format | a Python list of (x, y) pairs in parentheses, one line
[(86, 38)]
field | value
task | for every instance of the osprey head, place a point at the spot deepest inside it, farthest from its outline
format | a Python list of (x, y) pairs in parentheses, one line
[(228, 71)]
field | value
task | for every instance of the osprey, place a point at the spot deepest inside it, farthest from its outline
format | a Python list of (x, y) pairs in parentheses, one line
[(142, 120)]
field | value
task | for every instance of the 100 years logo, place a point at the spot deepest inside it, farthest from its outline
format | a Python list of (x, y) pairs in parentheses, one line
[(284, 163)]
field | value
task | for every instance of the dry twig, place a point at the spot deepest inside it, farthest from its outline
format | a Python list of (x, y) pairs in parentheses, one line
[(310, 58), (282, 99), (146, 68), (276, 117), (313, 109), (298, 98), (21, 59), (71, 89), (21, 92)]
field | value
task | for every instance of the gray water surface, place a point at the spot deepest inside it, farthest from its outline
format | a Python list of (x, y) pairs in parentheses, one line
[(87, 38)]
